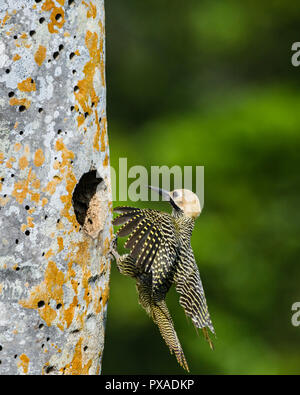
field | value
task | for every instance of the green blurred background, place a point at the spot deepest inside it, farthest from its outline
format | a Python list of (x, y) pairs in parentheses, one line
[(211, 83)]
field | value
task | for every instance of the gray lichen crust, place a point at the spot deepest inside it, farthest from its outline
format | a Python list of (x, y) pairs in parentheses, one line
[(54, 272)]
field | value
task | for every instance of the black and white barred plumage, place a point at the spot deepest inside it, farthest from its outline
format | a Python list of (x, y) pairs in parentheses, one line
[(161, 255)]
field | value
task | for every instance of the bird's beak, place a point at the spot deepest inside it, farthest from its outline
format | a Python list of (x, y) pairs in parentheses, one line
[(164, 194)]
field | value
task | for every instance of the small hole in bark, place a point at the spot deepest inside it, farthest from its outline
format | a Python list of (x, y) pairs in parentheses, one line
[(22, 108), (41, 20), (85, 348), (0, 348), (83, 194), (86, 114), (41, 326), (59, 131), (49, 369), (11, 94), (17, 268), (16, 356), (38, 1), (7, 71), (70, 2), (43, 254), (55, 55), (73, 71), (48, 338), (58, 17), (60, 47), (76, 88), (17, 241), (21, 132), (12, 175), (40, 109), (72, 108), (58, 306), (15, 37), (32, 33), (27, 207), (72, 54), (41, 303), (27, 233)]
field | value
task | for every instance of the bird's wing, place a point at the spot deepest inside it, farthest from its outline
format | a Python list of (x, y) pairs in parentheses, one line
[(189, 286), (152, 241)]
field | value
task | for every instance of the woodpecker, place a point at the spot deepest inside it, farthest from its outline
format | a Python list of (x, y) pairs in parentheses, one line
[(161, 255)]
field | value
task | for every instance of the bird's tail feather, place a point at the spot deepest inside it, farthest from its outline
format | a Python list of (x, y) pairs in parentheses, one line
[(159, 312)]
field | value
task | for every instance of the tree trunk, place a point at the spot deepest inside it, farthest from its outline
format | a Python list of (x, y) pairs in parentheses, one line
[(55, 187)]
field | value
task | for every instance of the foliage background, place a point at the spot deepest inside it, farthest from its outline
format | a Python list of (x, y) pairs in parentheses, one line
[(211, 83)]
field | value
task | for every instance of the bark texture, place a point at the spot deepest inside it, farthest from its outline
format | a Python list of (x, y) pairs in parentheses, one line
[(56, 207)]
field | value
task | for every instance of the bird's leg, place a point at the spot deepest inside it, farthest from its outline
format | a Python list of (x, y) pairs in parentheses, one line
[(125, 263)]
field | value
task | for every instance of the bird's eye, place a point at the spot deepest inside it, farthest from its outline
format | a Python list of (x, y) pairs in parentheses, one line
[(175, 194)]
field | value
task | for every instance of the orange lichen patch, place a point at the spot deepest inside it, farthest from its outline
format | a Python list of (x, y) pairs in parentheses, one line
[(36, 184), (51, 186), (44, 201), (29, 224), (67, 34), (69, 313), (77, 52), (19, 102), (23, 162), (23, 35), (40, 55), (17, 147), (76, 366), (24, 362), (49, 254), (1, 158), (86, 94), (48, 5), (103, 134), (68, 175), (105, 162), (50, 288), (80, 120), (5, 19), (39, 157), (92, 10), (35, 197), (97, 134), (10, 162), (57, 16), (16, 125), (60, 242), (102, 66), (27, 85), (1, 288), (16, 57)]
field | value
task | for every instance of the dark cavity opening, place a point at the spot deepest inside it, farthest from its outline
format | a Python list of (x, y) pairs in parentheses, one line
[(83, 193)]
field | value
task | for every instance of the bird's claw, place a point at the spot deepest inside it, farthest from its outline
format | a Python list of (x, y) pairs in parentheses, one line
[(113, 248)]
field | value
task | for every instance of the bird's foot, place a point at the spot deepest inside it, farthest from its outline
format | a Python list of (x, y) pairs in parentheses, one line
[(113, 249)]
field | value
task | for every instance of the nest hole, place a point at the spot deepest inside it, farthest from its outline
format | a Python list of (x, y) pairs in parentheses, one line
[(87, 202)]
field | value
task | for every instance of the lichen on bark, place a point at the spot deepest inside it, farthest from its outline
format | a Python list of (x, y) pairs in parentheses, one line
[(54, 272)]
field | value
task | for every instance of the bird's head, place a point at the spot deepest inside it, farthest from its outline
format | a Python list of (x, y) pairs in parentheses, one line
[(182, 200)]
